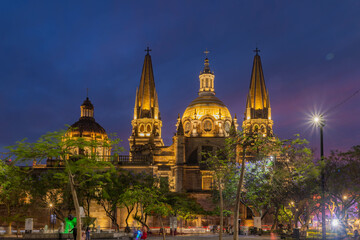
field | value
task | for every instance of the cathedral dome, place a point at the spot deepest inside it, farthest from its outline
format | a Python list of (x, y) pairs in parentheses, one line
[(206, 105), (206, 116)]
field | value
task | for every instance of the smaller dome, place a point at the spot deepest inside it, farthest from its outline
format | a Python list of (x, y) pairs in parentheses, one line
[(87, 124)]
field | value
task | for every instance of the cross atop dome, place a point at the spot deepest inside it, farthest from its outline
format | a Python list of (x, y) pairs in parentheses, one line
[(206, 53)]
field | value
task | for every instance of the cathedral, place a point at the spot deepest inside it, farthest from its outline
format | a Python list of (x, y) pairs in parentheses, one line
[(203, 127)]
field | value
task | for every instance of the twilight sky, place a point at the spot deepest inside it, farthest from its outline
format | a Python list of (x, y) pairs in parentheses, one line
[(51, 51)]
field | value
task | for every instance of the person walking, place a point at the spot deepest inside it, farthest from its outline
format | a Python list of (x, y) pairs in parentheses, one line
[(87, 232), (144, 232), (74, 231)]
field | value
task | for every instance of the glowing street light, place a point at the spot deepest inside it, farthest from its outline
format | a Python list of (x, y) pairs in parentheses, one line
[(51, 220), (335, 222), (320, 122)]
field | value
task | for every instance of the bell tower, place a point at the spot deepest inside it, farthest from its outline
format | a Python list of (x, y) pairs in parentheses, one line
[(258, 111), (146, 123)]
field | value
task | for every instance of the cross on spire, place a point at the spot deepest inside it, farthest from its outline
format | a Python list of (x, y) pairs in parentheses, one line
[(206, 52), (147, 50), (87, 92), (257, 51)]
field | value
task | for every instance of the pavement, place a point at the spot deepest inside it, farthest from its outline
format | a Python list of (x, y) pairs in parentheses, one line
[(214, 236), (182, 237)]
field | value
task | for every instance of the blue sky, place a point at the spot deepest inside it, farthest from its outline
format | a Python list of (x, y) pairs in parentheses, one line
[(51, 51)]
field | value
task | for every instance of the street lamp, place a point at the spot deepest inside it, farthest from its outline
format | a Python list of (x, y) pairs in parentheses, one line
[(50, 207), (319, 122)]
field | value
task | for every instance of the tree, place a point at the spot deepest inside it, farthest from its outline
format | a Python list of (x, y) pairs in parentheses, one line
[(72, 154), (114, 192), (222, 167), (342, 183), (47, 189), (284, 181), (251, 147), (14, 193)]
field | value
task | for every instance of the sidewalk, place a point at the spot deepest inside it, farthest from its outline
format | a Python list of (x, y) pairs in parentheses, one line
[(214, 237)]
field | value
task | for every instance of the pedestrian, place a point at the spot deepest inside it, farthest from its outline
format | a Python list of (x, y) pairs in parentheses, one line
[(144, 232), (87, 232), (60, 233), (356, 235), (230, 229), (74, 231), (138, 234)]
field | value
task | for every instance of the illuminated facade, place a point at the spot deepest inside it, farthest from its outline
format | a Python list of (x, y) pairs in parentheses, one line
[(204, 126)]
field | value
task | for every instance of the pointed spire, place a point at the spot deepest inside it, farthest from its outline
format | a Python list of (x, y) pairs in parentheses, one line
[(146, 124), (258, 111), (146, 98), (258, 98)]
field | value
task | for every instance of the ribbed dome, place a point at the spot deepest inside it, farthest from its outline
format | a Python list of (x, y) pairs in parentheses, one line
[(206, 105), (87, 124)]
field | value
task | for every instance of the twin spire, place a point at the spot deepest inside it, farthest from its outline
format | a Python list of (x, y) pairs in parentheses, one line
[(257, 114), (146, 102), (146, 124), (258, 111), (257, 103)]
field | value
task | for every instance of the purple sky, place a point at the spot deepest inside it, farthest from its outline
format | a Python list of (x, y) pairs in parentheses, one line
[(51, 51)]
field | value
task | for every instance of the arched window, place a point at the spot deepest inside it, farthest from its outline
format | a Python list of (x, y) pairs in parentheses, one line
[(148, 128), (142, 128)]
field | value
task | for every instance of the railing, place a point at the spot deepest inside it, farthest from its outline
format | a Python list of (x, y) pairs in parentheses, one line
[(123, 160), (132, 160)]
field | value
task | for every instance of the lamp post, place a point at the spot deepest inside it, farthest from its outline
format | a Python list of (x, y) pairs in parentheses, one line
[(319, 121), (50, 206)]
